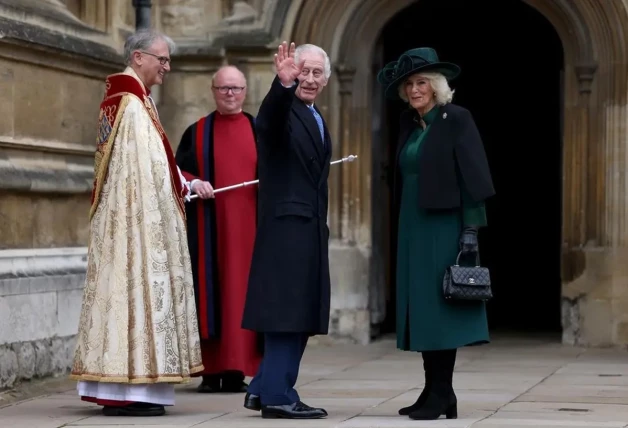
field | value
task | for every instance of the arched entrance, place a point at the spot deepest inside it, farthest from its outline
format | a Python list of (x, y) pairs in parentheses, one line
[(513, 86), (593, 107)]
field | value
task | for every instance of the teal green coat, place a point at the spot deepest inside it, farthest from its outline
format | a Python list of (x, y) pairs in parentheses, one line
[(427, 244)]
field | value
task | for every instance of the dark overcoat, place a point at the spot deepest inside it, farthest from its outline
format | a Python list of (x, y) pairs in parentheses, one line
[(289, 285)]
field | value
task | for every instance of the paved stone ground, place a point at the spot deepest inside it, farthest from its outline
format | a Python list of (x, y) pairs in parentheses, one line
[(512, 383)]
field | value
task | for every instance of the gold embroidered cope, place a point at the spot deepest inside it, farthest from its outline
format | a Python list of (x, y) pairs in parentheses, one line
[(138, 321)]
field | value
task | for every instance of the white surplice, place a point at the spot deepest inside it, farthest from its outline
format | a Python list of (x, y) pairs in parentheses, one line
[(158, 393)]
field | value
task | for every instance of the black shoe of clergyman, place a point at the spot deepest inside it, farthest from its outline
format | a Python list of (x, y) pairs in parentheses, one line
[(135, 409), (234, 387), (210, 384), (252, 402), (296, 410)]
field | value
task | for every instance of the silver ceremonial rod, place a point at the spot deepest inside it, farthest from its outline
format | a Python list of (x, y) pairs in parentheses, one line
[(349, 158)]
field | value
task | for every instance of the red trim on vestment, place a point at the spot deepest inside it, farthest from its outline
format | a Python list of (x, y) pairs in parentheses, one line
[(112, 403), (189, 177), (118, 85)]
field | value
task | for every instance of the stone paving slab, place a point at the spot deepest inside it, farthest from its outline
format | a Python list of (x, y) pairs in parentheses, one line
[(511, 383)]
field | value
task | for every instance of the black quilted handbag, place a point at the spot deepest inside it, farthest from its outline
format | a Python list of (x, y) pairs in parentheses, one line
[(467, 282)]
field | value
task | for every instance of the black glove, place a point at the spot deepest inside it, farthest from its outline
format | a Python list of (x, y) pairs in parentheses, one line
[(469, 240)]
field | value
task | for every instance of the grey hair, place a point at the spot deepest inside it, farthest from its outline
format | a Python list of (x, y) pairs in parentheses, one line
[(438, 82), (313, 48), (143, 39)]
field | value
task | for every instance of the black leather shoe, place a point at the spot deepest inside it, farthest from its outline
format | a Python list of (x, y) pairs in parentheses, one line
[(252, 402), (233, 381), (209, 385), (234, 387), (296, 410), (135, 409)]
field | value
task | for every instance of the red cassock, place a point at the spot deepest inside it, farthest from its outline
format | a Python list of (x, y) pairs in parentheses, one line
[(232, 159)]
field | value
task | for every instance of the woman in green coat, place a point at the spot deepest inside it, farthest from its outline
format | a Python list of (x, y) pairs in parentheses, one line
[(442, 179)]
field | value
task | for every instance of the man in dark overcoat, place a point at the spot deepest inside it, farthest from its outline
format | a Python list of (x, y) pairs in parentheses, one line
[(288, 294)]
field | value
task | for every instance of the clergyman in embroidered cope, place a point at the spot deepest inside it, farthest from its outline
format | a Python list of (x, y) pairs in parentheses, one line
[(138, 324)]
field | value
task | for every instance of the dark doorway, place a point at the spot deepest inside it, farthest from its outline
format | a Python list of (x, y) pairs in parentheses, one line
[(512, 61)]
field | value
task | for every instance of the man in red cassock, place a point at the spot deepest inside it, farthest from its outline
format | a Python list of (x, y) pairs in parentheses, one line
[(216, 151)]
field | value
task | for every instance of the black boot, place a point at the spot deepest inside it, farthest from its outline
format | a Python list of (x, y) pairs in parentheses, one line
[(441, 398), (427, 357), (451, 363)]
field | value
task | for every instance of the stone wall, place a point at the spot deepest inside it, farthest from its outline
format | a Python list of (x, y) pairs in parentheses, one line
[(52, 70), (594, 304), (350, 317), (40, 301)]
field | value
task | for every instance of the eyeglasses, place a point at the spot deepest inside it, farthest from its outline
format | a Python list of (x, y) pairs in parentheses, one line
[(162, 59), (225, 89)]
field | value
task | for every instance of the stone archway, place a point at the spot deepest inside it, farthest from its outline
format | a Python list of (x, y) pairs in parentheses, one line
[(594, 202)]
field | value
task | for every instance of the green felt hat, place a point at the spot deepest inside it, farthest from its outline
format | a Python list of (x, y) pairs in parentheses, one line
[(411, 62)]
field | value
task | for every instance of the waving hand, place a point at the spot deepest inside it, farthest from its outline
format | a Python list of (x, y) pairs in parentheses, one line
[(287, 69)]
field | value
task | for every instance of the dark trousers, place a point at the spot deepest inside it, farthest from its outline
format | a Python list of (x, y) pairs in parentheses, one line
[(279, 369)]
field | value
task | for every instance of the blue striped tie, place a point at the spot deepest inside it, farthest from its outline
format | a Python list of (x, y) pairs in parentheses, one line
[(319, 122)]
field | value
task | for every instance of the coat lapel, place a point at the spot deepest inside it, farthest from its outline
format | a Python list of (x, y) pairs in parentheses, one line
[(307, 118), (323, 152)]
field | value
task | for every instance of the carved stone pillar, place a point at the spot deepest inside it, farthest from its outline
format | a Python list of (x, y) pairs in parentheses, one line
[(591, 156), (580, 167), (349, 265), (580, 163), (345, 224)]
